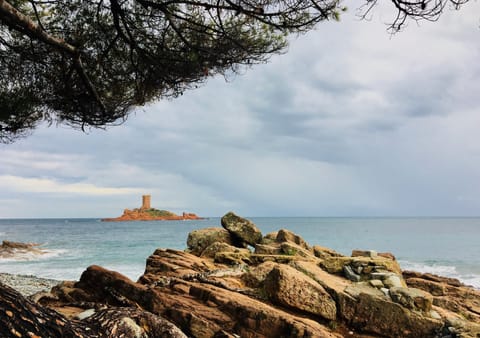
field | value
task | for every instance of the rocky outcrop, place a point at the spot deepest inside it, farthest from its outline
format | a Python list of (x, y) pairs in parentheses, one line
[(10, 249), (279, 287), (448, 294)]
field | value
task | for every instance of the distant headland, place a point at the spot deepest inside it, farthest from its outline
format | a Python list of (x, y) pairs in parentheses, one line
[(147, 213)]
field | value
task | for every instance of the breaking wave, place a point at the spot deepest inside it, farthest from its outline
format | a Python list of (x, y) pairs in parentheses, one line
[(40, 254), (468, 278)]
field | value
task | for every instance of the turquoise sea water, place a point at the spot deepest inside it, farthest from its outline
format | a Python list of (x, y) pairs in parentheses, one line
[(445, 246)]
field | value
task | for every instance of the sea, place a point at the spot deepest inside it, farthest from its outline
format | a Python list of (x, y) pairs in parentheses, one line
[(445, 246)]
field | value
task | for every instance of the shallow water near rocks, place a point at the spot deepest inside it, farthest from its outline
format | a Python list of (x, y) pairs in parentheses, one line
[(445, 246)]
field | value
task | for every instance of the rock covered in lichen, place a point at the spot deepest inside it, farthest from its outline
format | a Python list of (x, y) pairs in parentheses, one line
[(199, 240), (286, 286), (243, 229)]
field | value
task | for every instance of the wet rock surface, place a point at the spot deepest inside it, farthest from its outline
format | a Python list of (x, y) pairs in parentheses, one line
[(279, 287)]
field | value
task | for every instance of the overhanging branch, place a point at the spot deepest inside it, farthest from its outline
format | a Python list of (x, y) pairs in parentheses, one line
[(19, 22)]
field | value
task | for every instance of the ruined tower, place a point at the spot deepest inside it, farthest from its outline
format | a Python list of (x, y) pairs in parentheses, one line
[(146, 202)]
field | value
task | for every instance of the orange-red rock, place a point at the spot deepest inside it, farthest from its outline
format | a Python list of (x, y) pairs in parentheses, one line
[(151, 215)]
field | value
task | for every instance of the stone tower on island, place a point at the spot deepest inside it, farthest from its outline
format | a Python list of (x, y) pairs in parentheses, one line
[(147, 213), (146, 202)]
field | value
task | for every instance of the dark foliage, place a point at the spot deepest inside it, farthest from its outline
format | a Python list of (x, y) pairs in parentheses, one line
[(88, 63)]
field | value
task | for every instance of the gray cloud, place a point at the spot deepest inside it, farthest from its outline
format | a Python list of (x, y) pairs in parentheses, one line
[(350, 121)]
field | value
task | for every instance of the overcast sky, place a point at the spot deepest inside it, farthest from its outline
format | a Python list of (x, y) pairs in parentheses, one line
[(350, 122)]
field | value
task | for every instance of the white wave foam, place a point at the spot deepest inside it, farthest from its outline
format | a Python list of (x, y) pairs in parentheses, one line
[(471, 280), (42, 271), (443, 270), (41, 254)]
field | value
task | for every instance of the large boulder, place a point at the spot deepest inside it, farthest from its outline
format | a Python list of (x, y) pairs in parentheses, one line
[(236, 258), (217, 247), (270, 238), (365, 267), (411, 298), (284, 242), (199, 240), (364, 253), (256, 275), (241, 228), (292, 249), (369, 310), (167, 263), (324, 252), (290, 287), (284, 235), (333, 284)]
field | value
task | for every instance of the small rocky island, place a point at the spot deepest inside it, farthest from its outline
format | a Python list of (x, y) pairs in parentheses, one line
[(233, 281), (147, 213)]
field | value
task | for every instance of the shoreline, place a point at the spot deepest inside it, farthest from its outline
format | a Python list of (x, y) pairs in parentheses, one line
[(234, 280), (28, 285)]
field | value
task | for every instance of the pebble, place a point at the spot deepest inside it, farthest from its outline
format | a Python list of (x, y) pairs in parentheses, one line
[(85, 314), (28, 285)]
